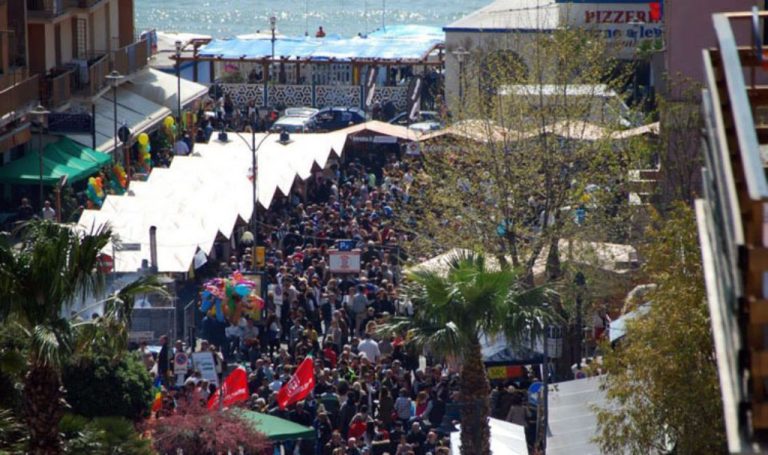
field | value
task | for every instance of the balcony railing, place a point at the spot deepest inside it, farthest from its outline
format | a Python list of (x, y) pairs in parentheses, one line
[(131, 58), (90, 79), (45, 8), (58, 89), (16, 97), (97, 74)]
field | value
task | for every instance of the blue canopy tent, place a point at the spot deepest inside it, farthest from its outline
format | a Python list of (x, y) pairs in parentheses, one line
[(396, 43)]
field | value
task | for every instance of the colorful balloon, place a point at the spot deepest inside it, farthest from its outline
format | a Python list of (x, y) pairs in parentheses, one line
[(169, 122), (143, 139)]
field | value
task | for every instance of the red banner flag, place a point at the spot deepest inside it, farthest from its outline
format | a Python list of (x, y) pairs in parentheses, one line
[(234, 389), (301, 383)]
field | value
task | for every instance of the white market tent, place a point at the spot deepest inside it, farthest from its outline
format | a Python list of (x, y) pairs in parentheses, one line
[(506, 439), (572, 419), (190, 203), (201, 197)]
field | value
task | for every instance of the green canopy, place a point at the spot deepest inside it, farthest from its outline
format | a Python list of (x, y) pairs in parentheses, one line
[(65, 157), (277, 429)]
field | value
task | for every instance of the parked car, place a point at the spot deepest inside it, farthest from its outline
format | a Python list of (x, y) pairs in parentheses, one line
[(296, 120), (292, 125), (336, 118), (425, 127), (423, 116)]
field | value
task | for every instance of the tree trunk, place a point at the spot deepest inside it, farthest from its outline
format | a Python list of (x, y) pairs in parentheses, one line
[(475, 390), (43, 408)]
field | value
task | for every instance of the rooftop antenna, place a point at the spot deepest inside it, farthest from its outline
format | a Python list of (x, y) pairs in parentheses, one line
[(306, 17)]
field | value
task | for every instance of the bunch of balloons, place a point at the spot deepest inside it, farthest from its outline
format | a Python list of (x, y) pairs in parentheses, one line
[(95, 191), (170, 128), (145, 159), (119, 179), (228, 299)]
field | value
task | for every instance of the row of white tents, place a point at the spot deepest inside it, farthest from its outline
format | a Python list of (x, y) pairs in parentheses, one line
[(202, 197)]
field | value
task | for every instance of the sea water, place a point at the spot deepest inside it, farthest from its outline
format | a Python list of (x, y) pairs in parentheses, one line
[(228, 18)]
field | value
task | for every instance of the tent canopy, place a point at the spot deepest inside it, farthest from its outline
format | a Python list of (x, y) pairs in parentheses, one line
[(277, 429), (393, 43), (572, 419), (62, 158), (136, 112), (162, 88), (506, 438)]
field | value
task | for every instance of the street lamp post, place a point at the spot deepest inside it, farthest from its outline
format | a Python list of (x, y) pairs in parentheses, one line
[(254, 217), (178, 82), (272, 27), (460, 53), (39, 115), (114, 78)]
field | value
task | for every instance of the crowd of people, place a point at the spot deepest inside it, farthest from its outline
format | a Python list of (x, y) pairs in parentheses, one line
[(373, 394)]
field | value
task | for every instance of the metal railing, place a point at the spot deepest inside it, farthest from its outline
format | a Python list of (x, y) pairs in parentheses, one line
[(19, 95), (741, 110)]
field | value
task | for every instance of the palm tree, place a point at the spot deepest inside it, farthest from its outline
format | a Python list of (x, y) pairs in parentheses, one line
[(454, 309), (39, 280)]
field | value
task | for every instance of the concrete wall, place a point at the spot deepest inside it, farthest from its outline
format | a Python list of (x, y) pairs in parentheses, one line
[(483, 42), (682, 18), (50, 47), (114, 24), (4, 38), (100, 38), (66, 41)]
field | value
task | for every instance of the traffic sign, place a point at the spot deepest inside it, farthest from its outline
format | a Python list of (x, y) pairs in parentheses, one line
[(180, 363), (105, 263), (123, 133), (533, 393)]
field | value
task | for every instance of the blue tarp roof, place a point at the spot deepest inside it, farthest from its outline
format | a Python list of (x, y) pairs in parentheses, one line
[(392, 43)]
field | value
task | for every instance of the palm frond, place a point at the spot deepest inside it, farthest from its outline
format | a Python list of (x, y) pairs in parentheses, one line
[(120, 304), (49, 345), (448, 339)]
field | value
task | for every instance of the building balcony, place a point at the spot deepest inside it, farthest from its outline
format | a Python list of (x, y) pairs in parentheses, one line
[(129, 59), (82, 3), (56, 88), (19, 96), (45, 8), (90, 75)]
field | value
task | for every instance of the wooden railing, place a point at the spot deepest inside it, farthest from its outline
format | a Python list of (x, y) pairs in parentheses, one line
[(46, 8), (58, 89), (97, 74), (131, 58), (17, 96)]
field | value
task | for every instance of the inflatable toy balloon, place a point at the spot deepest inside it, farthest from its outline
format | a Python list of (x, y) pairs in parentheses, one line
[(220, 316), (207, 301), (149, 148), (143, 139), (242, 290), (169, 122)]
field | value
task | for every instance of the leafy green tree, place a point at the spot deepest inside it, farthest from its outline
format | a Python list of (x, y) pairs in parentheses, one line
[(39, 280), (537, 156), (102, 436), (457, 306), (100, 387), (662, 387)]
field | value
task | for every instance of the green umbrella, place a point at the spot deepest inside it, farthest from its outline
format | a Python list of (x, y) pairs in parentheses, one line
[(277, 429)]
